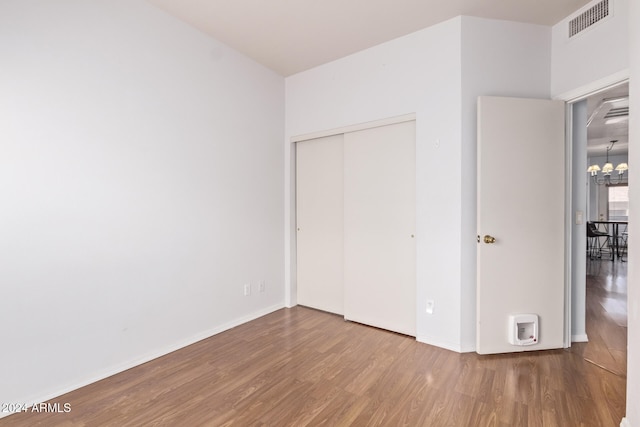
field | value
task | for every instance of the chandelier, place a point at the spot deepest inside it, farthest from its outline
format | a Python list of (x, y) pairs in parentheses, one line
[(607, 169)]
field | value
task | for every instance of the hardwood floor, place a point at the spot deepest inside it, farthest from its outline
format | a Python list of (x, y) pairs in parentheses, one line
[(606, 316), (299, 366)]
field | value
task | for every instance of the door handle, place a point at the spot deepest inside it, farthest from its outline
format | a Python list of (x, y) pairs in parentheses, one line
[(489, 239)]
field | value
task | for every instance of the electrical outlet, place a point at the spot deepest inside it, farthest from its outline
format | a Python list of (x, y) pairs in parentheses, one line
[(430, 304), (247, 289), (261, 286)]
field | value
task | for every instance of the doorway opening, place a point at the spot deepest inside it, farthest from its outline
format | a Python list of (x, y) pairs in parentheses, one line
[(599, 284)]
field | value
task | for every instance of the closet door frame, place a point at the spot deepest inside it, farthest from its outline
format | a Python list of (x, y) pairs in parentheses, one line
[(315, 135), (352, 128)]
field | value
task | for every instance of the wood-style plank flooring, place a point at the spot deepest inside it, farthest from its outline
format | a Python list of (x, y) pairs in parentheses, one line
[(299, 367), (606, 316)]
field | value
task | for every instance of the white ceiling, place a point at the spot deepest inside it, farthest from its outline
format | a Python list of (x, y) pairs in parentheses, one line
[(602, 130), (290, 36)]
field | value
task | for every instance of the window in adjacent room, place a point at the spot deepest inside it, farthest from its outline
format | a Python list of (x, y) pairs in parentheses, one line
[(618, 202)]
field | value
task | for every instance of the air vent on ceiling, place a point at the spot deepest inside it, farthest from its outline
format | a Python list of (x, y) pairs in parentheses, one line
[(589, 17), (617, 112)]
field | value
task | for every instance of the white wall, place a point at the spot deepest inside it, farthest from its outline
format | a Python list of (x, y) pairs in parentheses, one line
[(499, 58), (418, 73), (633, 297), (423, 73), (141, 187), (598, 53), (592, 60), (598, 57)]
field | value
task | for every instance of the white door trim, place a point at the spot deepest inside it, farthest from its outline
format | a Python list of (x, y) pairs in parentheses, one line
[(353, 128), (594, 87), (568, 222)]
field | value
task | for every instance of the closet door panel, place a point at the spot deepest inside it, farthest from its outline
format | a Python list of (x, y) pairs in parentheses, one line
[(379, 227), (319, 223)]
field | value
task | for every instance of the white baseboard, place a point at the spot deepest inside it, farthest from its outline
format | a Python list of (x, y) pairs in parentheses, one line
[(625, 423), (471, 348), (148, 357), (446, 345), (579, 338)]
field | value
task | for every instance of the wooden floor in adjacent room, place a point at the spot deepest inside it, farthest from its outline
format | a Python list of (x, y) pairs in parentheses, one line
[(299, 366), (606, 316)]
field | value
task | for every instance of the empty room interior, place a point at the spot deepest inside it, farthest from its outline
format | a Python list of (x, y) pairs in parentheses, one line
[(337, 213)]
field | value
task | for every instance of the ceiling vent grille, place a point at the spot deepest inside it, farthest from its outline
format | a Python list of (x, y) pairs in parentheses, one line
[(589, 17), (617, 112)]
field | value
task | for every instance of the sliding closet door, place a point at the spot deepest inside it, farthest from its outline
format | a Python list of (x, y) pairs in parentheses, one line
[(379, 227), (319, 217)]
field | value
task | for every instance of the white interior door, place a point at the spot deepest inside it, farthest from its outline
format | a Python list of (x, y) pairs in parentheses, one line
[(521, 203), (379, 227), (319, 216)]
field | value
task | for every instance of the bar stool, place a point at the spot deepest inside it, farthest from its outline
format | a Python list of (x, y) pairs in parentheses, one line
[(595, 243), (622, 245)]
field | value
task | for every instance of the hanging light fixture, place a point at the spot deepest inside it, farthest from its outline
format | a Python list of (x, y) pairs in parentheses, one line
[(607, 169)]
